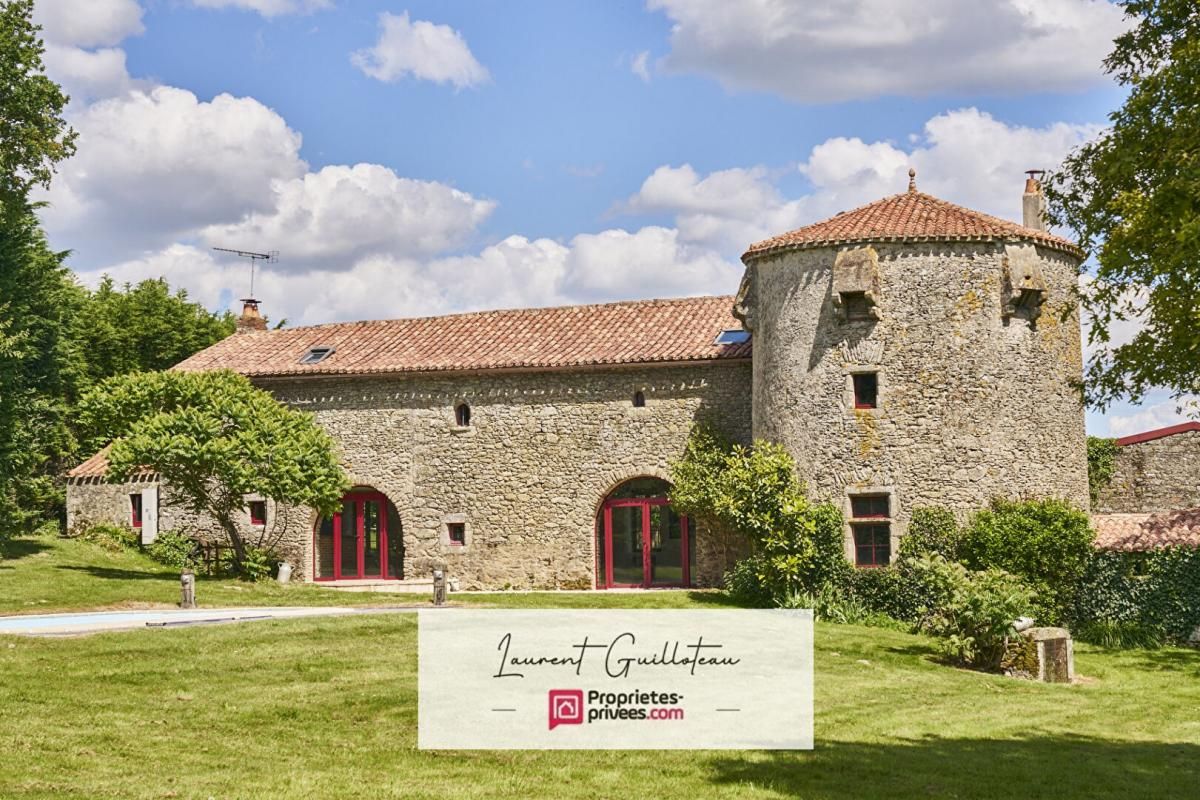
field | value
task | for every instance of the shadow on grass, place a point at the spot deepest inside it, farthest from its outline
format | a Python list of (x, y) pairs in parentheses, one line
[(1172, 660), (12, 549), (1041, 766), (110, 573), (711, 598)]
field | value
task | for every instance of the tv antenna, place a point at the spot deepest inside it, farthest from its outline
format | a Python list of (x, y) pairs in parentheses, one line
[(269, 257)]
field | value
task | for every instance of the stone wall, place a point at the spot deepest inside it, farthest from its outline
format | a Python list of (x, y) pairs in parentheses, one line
[(971, 405), (527, 476), (1158, 475)]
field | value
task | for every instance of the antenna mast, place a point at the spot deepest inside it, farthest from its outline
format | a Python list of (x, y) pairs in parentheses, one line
[(269, 257)]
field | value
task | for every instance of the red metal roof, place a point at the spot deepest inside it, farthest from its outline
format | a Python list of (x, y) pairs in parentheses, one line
[(912, 215), (640, 332), (1158, 433), (1140, 532)]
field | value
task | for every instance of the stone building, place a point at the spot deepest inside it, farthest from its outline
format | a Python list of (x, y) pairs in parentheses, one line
[(908, 352)]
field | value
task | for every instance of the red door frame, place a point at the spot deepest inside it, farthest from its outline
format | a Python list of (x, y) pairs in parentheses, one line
[(359, 499), (645, 503)]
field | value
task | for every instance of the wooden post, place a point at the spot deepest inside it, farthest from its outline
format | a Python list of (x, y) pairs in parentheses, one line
[(439, 587), (187, 585)]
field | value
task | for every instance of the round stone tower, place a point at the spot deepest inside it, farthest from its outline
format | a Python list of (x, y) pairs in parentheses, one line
[(911, 353)]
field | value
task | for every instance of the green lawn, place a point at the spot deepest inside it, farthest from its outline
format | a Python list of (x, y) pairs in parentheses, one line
[(321, 708)]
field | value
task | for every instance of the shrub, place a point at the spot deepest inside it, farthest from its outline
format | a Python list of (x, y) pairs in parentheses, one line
[(831, 604), (110, 537), (933, 531), (258, 563), (1046, 542), (975, 615), (744, 586), (1122, 635), (174, 549), (753, 491), (1156, 591)]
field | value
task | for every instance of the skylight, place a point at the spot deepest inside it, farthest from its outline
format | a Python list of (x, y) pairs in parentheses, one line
[(734, 336), (315, 355)]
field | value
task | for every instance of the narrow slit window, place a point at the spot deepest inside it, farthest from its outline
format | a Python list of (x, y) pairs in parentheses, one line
[(866, 390), (315, 355), (462, 415), (639, 400), (135, 510), (258, 512), (458, 533)]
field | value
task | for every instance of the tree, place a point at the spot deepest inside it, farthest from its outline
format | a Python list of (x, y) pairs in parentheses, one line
[(144, 328), (1132, 197), (213, 439), (33, 134)]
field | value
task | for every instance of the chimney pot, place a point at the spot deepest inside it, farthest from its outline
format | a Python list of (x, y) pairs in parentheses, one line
[(251, 319)]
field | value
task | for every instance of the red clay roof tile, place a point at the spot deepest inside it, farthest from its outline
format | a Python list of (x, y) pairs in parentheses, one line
[(640, 332), (911, 215), (1140, 532)]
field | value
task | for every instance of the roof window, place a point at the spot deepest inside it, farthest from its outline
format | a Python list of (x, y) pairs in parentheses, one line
[(315, 355), (733, 336)]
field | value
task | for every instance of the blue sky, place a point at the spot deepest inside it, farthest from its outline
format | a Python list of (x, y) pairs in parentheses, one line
[(428, 157)]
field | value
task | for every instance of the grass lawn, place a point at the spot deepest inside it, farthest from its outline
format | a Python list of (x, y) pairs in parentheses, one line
[(321, 708)]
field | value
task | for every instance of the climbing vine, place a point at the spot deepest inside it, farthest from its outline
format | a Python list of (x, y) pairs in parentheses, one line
[(1101, 455)]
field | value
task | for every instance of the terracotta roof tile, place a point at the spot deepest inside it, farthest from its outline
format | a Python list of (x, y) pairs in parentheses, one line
[(911, 215), (1140, 532), (94, 467), (640, 332)]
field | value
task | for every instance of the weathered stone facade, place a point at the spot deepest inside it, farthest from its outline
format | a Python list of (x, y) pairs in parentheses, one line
[(1161, 474), (972, 403), (527, 476)]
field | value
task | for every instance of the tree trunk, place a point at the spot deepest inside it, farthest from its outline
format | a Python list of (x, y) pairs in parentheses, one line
[(235, 540)]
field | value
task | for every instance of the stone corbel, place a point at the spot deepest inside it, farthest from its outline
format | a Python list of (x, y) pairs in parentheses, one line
[(743, 311), (1024, 284), (856, 273)]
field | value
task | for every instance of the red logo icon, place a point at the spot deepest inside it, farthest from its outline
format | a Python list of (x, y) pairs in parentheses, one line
[(566, 707)]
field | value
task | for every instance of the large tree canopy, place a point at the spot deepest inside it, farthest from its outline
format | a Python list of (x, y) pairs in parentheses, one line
[(1133, 199), (214, 439), (33, 134)]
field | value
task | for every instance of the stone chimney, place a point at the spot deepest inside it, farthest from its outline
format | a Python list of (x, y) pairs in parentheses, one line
[(1033, 202), (250, 320)]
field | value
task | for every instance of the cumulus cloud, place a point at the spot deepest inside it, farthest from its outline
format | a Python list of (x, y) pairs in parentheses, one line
[(1155, 414), (156, 165), (422, 50), (268, 8), (81, 39), (339, 214), (854, 49)]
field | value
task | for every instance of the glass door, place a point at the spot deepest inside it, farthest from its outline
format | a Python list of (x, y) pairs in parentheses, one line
[(353, 545), (645, 543)]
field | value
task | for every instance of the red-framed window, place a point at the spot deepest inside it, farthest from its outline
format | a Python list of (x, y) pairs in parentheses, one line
[(870, 516), (258, 512), (866, 390), (363, 540), (457, 532), (135, 510), (872, 545)]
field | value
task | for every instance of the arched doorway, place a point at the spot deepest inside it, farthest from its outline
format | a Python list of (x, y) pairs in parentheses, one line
[(363, 541), (640, 540)]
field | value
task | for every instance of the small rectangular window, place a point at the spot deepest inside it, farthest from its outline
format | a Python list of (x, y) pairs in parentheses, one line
[(458, 533), (258, 512), (733, 336), (315, 355), (135, 510), (869, 506), (866, 390), (872, 545)]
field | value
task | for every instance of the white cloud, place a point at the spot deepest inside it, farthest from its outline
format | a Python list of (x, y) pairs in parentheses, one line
[(640, 67), (152, 166), (853, 49), (81, 39), (95, 23), (651, 262), (422, 50), (1158, 414), (339, 214), (268, 8)]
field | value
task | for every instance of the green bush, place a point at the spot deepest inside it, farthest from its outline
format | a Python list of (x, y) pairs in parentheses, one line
[(259, 563), (110, 537), (1121, 635), (832, 604), (744, 586), (754, 492), (1155, 591), (933, 531), (174, 549), (974, 618), (1048, 543)]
